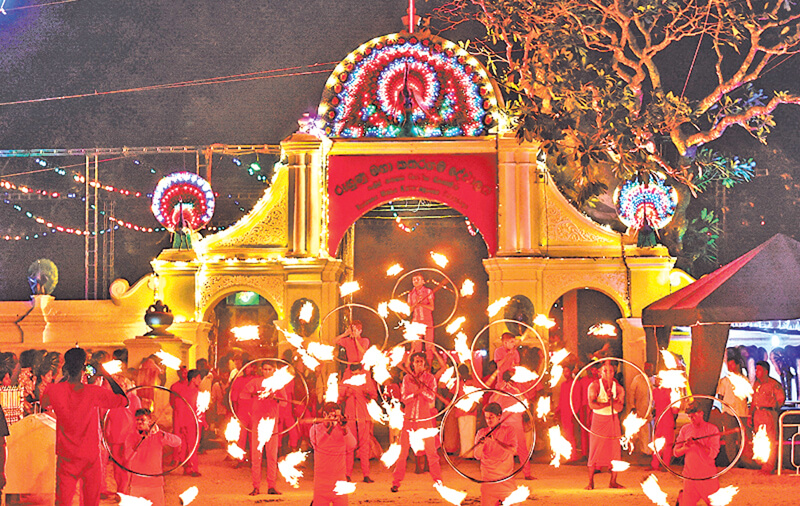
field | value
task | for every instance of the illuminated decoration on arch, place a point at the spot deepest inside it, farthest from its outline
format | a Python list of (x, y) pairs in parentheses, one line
[(653, 202), (408, 85), (183, 197)]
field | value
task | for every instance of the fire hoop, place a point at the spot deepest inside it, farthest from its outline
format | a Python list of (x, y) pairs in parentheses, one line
[(545, 361), (180, 398), (741, 437), (295, 376), (592, 364), (477, 395), (353, 305)]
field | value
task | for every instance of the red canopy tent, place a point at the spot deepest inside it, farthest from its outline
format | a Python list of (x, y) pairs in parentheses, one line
[(763, 284)]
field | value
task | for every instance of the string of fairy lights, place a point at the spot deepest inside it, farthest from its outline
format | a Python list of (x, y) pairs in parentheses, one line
[(252, 169)]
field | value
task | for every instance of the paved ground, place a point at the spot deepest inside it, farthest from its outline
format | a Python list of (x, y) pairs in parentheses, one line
[(223, 485)]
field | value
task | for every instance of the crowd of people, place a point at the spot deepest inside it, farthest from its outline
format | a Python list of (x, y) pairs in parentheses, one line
[(144, 436)]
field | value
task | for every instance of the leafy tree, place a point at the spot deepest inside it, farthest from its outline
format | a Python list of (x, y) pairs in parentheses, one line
[(584, 77)]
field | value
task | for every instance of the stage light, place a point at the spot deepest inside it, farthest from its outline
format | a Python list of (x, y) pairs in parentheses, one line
[(41, 162), (237, 162)]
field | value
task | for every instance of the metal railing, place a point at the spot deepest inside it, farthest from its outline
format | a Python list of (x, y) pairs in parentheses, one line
[(792, 443)]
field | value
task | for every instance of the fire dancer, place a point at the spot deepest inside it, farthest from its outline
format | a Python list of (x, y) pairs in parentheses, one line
[(514, 420), (184, 421), (353, 342), (418, 395), (768, 397), (355, 398), (329, 439), (144, 449), (78, 437), (699, 442), (421, 301), (263, 407), (495, 446), (606, 398), (665, 428), (507, 355)]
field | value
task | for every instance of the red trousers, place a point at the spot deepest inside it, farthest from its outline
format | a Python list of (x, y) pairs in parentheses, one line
[(69, 471)]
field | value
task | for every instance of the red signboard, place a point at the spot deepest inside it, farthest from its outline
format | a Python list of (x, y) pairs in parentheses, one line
[(360, 183)]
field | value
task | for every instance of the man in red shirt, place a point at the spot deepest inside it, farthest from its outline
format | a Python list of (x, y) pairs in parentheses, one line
[(353, 342), (76, 406), (184, 420)]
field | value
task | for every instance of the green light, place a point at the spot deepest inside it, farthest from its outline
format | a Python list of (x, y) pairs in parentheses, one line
[(255, 167)]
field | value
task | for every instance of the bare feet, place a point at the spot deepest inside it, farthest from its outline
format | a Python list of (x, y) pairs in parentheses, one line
[(614, 484), (255, 491), (590, 486)]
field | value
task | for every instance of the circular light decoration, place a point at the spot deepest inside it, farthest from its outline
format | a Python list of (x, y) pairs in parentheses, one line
[(639, 203), (183, 196), (408, 85)]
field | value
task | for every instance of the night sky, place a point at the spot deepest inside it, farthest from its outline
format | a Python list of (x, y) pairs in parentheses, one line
[(87, 46)]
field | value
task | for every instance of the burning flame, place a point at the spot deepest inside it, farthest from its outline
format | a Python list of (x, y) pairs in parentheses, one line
[(672, 378), (653, 491), (394, 414), (277, 381), (288, 467), (543, 321), (461, 348), (669, 359), (400, 307), (266, 426), (555, 374), (349, 288), (632, 424), (203, 402), (450, 495), (246, 333), (602, 330), (762, 447), (320, 351), (306, 312), (129, 500), (233, 430), (467, 288), (416, 438), (394, 270), (377, 361), (448, 378), (470, 398), (356, 380), (618, 466), (723, 496), (309, 361), (295, 340), (235, 452), (455, 325), (413, 330), (558, 356), (497, 305), (332, 392), (657, 445), (523, 375), (542, 407), (391, 455), (375, 411), (383, 309), (189, 495), (560, 446), (396, 356), (344, 488), (439, 259), (741, 386), (113, 366), (168, 360), (519, 495)]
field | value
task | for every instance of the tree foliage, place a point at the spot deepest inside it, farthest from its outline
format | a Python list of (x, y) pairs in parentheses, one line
[(584, 77)]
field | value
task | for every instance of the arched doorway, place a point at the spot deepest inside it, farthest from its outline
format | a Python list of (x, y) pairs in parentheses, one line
[(242, 323), (579, 315)]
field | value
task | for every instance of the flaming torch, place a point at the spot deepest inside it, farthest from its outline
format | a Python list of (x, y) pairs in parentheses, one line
[(519, 495), (344, 488), (391, 455), (288, 467), (188, 495), (761, 445), (560, 446), (723, 496), (450, 495), (653, 491)]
